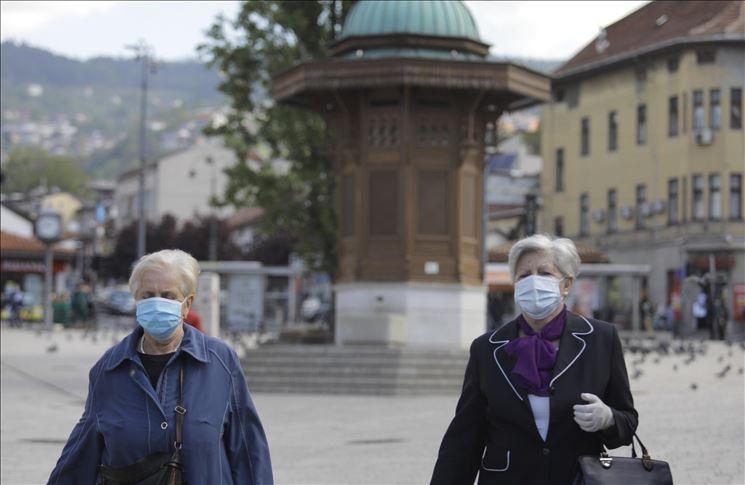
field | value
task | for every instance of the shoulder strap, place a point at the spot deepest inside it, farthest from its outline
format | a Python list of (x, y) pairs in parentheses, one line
[(180, 409)]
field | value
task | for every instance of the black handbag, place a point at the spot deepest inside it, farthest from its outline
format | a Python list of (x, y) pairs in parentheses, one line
[(161, 468), (613, 470)]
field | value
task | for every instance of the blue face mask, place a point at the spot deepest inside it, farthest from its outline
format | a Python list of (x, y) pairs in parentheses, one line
[(159, 316)]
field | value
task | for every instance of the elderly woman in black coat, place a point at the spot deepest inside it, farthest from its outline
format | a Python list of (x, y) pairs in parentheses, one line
[(543, 389)]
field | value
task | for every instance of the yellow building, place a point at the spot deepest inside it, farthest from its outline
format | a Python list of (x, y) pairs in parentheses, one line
[(64, 203), (643, 144)]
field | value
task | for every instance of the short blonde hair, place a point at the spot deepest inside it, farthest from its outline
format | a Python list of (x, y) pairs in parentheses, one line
[(180, 262), (562, 251)]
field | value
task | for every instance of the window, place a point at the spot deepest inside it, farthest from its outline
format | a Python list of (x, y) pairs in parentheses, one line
[(715, 109), (584, 214), (559, 226), (672, 201), (672, 116), (560, 170), (735, 108), (641, 124), (641, 205), (697, 210), (706, 56), (612, 205), (559, 95), (698, 110), (612, 131), (735, 196), (684, 199), (672, 64), (585, 140), (572, 96), (715, 197)]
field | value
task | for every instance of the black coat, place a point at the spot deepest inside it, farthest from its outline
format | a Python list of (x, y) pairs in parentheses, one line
[(494, 432)]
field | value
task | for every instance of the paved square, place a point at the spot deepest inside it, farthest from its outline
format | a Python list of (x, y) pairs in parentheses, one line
[(372, 440)]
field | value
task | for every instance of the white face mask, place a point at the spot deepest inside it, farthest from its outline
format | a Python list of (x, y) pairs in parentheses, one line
[(538, 296)]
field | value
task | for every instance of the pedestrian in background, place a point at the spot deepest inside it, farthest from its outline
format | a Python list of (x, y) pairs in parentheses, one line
[(167, 399), (543, 389), (700, 311), (194, 319), (79, 303)]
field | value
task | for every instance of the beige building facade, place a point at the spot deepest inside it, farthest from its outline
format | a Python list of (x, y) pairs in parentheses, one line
[(643, 146)]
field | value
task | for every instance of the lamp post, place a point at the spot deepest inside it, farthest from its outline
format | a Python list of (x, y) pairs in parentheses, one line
[(143, 54), (48, 229)]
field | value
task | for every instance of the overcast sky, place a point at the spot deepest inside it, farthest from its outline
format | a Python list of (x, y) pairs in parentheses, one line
[(83, 29)]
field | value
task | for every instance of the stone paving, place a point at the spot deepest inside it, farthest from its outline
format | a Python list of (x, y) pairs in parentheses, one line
[(371, 440)]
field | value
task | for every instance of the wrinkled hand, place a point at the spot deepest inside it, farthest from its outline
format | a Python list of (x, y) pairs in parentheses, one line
[(594, 416)]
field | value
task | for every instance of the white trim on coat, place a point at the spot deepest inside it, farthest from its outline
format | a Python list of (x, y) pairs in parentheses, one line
[(503, 343), (584, 345), (495, 469)]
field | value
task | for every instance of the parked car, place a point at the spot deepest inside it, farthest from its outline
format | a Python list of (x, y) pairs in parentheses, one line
[(313, 309), (119, 302)]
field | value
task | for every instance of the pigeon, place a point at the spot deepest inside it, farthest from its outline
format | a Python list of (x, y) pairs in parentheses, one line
[(52, 348), (675, 367), (637, 373), (720, 359), (739, 371), (723, 372), (694, 386), (656, 360)]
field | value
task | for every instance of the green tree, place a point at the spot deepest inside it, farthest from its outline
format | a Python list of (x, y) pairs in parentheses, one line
[(30, 167), (265, 38)]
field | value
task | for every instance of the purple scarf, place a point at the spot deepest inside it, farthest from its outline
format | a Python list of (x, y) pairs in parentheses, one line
[(536, 355)]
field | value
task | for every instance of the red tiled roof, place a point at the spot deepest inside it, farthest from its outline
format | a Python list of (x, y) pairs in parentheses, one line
[(662, 23), (15, 243)]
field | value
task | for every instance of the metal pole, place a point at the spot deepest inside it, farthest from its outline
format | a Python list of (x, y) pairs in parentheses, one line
[(714, 326), (48, 263), (213, 219), (144, 57)]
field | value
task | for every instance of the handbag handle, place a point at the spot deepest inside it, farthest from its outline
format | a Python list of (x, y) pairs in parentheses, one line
[(646, 459)]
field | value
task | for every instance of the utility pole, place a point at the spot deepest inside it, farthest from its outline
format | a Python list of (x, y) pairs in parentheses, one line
[(143, 54)]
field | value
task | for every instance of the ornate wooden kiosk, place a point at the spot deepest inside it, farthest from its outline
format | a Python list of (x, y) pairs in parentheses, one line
[(407, 94)]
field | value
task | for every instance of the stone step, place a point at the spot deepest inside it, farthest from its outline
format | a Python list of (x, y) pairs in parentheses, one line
[(354, 370), (355, 350), (314, 369), (326, 362)]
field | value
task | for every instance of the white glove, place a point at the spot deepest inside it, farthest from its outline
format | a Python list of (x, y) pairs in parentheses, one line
[(594, 416)]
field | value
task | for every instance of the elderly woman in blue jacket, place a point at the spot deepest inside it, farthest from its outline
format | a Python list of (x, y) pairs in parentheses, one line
[(134, 388)]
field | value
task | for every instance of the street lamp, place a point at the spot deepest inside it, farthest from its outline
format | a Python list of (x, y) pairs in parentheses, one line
[(143, 54)]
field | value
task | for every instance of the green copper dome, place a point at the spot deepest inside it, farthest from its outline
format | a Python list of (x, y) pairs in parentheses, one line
[(441, 18)]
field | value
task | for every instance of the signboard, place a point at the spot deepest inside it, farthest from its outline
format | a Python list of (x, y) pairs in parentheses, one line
[(245, 305), (738, 302)]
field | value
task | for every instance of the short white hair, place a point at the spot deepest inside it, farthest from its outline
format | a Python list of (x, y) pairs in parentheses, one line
[(562, 251), (179, 262)]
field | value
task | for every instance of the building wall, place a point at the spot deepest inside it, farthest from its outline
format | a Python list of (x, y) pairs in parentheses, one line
[(126, 197), (654, 163), (66, 205), (13, 223), (184, 179), (179, 184), (666, 246)]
